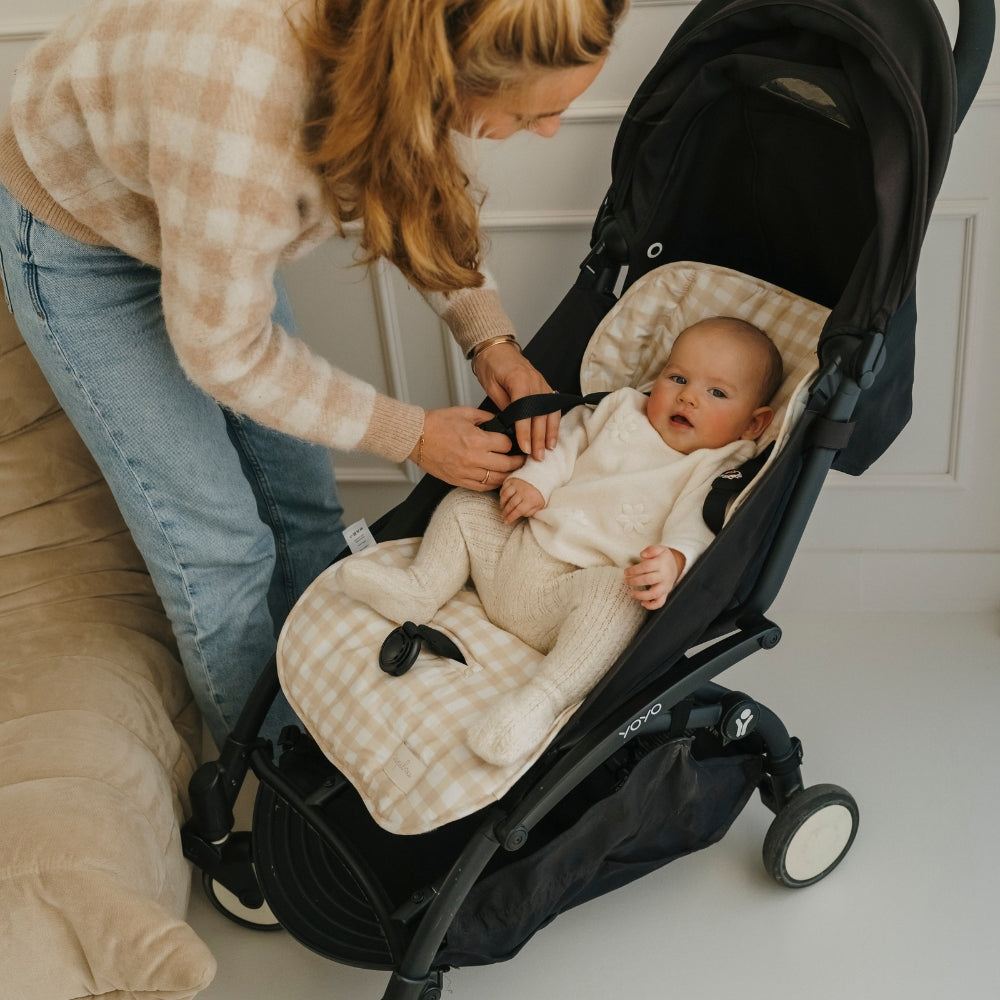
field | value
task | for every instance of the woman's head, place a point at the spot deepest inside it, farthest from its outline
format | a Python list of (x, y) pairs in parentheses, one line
[(393, 78), (534, 105), (500, 44)]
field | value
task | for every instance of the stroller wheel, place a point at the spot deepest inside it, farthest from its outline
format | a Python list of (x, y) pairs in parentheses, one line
[(252, 913), (810, 836)]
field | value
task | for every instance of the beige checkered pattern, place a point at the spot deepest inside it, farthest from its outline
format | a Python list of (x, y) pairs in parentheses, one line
[(170, 129), (399, 740), (632, 342)]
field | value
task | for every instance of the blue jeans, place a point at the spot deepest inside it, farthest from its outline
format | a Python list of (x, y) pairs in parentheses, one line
[(233, 519)]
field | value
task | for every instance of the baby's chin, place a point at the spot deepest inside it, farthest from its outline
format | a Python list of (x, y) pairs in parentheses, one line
[(683, 443)]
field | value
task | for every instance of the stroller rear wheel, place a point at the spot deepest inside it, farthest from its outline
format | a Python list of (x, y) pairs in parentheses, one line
[(811, 835), (253, 913)]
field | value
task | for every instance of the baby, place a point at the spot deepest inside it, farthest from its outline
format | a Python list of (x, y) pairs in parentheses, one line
[(622, 491)]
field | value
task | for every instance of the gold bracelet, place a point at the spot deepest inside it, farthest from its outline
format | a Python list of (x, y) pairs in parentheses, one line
[(477, 349), (481, 349), (420, 449)]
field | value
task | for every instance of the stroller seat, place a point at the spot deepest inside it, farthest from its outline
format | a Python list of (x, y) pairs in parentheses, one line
[(399, 740)]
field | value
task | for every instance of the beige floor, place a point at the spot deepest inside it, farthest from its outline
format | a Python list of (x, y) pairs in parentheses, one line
[(904, 711)]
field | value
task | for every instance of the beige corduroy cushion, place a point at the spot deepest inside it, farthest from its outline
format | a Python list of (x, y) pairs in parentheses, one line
[(97, 728)]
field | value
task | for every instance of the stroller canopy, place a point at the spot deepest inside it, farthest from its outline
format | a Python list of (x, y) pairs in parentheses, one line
[(803, 143)]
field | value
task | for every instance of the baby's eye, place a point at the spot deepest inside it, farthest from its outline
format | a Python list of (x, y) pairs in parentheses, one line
[(679, 379), (717, 393)]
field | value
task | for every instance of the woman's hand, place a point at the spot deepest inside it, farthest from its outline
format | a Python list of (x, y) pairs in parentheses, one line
[(506, 374), (454, 448), (652, 578)]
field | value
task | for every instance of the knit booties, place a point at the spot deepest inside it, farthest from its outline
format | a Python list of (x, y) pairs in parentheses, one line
[(394, 592), (514, 727)]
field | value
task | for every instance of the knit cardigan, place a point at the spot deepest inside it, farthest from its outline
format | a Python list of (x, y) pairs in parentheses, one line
[(170, 130), (612, 486)]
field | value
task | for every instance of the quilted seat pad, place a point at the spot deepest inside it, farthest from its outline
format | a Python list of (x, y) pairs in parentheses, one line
[(399, 740)]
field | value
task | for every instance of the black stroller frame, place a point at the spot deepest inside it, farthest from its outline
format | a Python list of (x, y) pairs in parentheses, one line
[(312, 870)]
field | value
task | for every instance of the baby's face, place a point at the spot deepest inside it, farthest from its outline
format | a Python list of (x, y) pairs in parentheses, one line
[(708, 393)]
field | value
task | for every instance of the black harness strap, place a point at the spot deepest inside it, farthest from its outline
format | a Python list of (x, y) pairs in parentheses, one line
[(538, 405), (727, 485), (824, 433)]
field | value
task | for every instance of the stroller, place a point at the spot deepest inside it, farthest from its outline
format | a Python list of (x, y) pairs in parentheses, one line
[(799, 145)]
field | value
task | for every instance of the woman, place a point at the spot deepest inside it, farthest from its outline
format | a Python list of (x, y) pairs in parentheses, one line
[(161, 160)]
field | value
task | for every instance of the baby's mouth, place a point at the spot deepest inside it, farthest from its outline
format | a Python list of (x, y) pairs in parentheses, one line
[(680, 420)]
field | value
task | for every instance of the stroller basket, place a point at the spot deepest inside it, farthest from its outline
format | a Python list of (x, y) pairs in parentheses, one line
[(633, 814), (800, 144)]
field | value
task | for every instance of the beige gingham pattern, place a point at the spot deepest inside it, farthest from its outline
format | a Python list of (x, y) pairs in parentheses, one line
[(631, 344), (170, 129), (399, 740)]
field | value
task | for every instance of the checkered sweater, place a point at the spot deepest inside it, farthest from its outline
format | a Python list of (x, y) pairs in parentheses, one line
[(169, 129)]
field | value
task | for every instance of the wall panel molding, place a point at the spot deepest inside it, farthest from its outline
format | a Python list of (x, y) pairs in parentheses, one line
[(541, 220), (582, 112), (27, 31), (463, 388), (391, 341)]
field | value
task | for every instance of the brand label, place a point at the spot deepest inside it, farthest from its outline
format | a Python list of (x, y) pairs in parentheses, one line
[(404, 768), (641, 720)]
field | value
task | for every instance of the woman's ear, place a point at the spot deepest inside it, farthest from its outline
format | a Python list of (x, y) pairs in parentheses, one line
[(760, 420)]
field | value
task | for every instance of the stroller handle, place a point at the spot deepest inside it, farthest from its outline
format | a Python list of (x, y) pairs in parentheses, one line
[(973, 46)]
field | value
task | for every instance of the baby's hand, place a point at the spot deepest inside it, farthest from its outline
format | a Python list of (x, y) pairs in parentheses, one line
[(652, 578), (519, 499)]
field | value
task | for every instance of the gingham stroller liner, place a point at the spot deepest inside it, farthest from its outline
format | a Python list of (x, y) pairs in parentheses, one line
[(399, 740)]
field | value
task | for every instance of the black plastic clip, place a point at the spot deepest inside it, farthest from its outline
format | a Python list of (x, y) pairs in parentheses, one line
[(403, 644)]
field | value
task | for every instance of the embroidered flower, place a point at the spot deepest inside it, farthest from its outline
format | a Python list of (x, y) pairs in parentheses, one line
[(623, 424), (633, 518)]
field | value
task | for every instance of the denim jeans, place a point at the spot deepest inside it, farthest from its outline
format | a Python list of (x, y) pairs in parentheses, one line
[(233, 519)]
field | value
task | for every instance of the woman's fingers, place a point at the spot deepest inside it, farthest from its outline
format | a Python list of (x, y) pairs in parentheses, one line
[(536, 435), (507, 375), (457, 450)]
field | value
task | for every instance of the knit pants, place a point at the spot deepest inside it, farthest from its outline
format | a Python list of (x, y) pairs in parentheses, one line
[(582, 619)]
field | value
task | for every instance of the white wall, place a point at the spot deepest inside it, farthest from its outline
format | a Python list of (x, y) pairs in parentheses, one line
[(919, 532)]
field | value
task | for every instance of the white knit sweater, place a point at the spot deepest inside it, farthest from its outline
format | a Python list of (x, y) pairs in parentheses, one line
[(612, 486), (170, 129)]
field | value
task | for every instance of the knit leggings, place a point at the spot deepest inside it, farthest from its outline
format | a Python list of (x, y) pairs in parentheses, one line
[(581, 619)]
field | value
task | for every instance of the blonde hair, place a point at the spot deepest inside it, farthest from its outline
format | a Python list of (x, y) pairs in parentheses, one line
[(388, 78)]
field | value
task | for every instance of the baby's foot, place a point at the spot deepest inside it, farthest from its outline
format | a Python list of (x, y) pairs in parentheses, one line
[(391, 591), (513, 728)]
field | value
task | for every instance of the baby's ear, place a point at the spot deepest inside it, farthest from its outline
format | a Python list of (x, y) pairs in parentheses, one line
[(760, 420)]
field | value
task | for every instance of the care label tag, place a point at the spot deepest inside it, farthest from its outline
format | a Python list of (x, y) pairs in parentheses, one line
[(358, 536)]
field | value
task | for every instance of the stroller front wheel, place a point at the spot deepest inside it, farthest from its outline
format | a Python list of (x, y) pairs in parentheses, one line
[(811, 835), (254, 914)]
